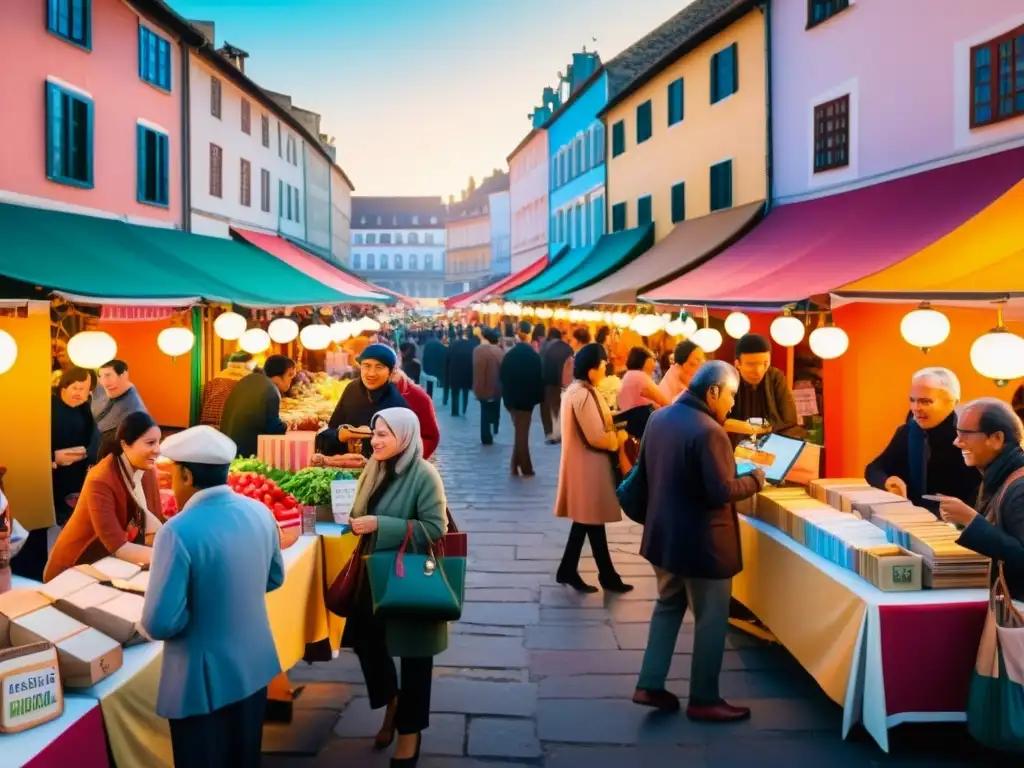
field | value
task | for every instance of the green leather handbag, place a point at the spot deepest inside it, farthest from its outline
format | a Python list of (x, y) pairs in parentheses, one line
[(406, 585)]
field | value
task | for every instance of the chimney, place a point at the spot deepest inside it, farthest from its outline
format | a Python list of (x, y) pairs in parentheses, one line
[(208, 28), (583, 66), (235, 55)]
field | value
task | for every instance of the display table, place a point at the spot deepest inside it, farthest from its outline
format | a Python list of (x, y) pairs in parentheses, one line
[(338, 545), (885, 657), (75, 738)]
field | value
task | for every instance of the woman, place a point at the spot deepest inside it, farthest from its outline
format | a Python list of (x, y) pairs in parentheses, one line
[(687, 358), (586, 480), (398, 485), (638, 387), (119, 510), (361, 401)]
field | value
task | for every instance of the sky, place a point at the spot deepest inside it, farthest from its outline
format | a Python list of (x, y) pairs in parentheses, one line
[(421, 94)]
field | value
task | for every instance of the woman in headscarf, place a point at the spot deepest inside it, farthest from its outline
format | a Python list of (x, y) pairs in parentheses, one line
[(361, 401), (397, 486)]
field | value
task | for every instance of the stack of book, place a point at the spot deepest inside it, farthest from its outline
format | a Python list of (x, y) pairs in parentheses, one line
[(829, 490), (897, 519)]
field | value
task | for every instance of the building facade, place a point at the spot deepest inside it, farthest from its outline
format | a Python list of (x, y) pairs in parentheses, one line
[(94, 93), (468, 235), (690, 137), (399, 243), (341, 217), (528, 199), (500, 207), (840, 115)]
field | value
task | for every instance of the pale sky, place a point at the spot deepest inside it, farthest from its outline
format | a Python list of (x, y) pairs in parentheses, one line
[(422, 93)]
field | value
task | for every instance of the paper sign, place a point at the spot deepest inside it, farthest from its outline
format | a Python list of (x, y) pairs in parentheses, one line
[(806, 401), (343, 496), (31, 697)]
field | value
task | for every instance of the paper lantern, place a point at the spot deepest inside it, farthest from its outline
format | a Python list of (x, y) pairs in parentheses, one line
[(315, 337), (829, 342), (681, 326), (283, 330), (369, 324), (621, 319), (787, 330), (924, 328), (561, 313), (999, 355), (229, 326), (91, 349), (708, 339), (545, 313), (526, 311), (512, 309), (254, 341), (737, 325), (175, 342), (647, 325), (341, 331), (8, 351)]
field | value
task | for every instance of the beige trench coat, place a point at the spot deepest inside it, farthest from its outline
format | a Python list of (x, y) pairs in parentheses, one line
[(586, 484)]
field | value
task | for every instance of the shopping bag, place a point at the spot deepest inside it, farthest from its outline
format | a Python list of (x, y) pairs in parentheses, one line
[(342, 595), (995, 704), (407, 585), (632, 494), (454, 543)]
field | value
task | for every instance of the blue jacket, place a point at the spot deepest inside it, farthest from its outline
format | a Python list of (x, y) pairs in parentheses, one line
[(213, 564)]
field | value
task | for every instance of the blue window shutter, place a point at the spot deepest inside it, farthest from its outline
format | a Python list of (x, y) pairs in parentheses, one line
[(714, 77), (54, 131), (89, 142), (140, 163), (280, 196), (164, 185), (142, 52), (734, 58)]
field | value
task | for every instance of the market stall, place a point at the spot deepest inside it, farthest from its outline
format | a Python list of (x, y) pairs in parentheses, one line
[(75, 738)]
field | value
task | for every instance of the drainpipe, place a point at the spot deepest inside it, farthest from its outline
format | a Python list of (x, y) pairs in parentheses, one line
[(186, 142), (769, 163)]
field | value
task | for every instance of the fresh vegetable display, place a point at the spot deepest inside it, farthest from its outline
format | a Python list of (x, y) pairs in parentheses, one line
[(254, 465), (312, 486), (284, 506)]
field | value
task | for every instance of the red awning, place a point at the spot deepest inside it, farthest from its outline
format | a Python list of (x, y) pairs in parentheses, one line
[(316, 268), (504, 285), (810, 248)]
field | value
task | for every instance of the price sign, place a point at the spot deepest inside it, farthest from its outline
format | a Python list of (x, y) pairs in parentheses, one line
[(902, 574), (31, 697), (343, 496)]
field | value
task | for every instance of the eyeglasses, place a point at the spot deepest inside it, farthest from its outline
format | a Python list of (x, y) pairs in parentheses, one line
[(962, 432)]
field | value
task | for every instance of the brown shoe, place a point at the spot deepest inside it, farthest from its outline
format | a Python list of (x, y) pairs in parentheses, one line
[(721, 712), (661, 699)]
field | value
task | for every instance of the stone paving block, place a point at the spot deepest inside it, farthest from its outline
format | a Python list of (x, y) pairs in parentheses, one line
[(484, 552), (483, 652), (477, 697), (566, 756), (543, 553), (498, 595), (518, 539), (501, 614), (479, 580), (358, 721), (519, 675), (495, 737), (634, 637), (565, 597), (573, 616), (626, 570), (569, 638), (327, 695), (634, 611), (511, 566), (344, 669), (445, 736), (463, 628), (598, 687), (308, 731)]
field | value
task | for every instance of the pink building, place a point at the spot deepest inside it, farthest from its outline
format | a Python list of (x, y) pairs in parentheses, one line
[(95, 89), (862, 90), (528, 178)]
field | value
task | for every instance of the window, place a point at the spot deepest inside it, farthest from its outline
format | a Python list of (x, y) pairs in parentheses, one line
[(288, 205), (598, 217), (154, 58), (246, 117), (293, 151), (721, 185), (370, 261), (724, 74), (643, 211), (675, 101), (398, 238), (413, 237), (70, 19), (618, 217), (581, 162), (997, 79), (577, 227), (564, 172), (413, 261), (428, 261), (678, 202), (822, 10), (383, 261), (69, 126), (153, 166), (588, 149), (832, 134), (298, 218), (245, 183), (643, 122), (266, 130), (429, 238), (216, 162), (415, 221), (398, 261), (357, 261), (433, 219), (618, 138), (279, 154), (265, 190), (371, 239), (215, 97), (385, 238), (357, 239), (280, 199)]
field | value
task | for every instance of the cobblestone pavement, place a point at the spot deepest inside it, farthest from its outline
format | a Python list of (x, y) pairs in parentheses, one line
[(538, 675)]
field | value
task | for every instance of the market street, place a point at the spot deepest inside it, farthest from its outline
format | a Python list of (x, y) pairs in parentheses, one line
[(536, 674)]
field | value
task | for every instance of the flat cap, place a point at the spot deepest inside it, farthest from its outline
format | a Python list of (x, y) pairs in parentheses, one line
[(199, 445)]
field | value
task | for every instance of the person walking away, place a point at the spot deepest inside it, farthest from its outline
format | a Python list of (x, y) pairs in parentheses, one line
[(522, 389), (487, 384), (586, 476), (213, 565), (420, 404), (556, 365), (691, 537), (254, 406), (460, 372), (410, 365), (114, 399), (396, 487), (435, 360), (537, 340), (219, 388)]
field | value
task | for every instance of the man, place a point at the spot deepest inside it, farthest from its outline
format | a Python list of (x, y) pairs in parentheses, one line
[(556, 364), (579, 339), (217, 391), (435, 360), (522, 389), (254, 406), (763, 393), (460, 371), (487, 384), (921, 459), (115, 399), (989, 436), (691, 537), (213, 565)]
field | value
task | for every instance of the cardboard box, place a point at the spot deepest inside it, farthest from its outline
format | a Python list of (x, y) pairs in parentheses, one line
[(44, 625), (17, 603), (30, 688), (119, 617), (84, 605), (137, 584), (67, 583), (87, 657), (113, 568)]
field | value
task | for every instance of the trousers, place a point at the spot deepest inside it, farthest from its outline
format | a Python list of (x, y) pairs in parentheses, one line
[(598, 546), (229, 737), (521, 461), (457, 395), (490, 417), (413, 712), (550, 409)]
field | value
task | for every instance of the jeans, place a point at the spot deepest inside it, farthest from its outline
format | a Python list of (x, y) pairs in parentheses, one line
[(413, 713), (709, 600), (490, 416), (457, 395)]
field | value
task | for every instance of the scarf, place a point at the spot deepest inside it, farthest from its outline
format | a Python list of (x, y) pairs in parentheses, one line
[(922, 444), (406, 428), (996, 475)]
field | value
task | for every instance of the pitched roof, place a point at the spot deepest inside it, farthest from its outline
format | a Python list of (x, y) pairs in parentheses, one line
[(398, 212)]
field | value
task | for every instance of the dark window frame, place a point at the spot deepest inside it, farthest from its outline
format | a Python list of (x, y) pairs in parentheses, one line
[(265, 127), (716, 192), (827, 8), (216, 170), (54, 22), (246, 117), (156, 72), (216, 96), (678, 194), (676, 87), (618, 138), (832, 122), (645, 120), (153, 182), (72, 149), (1015, 39), (644, 210), (619, 219), (718, 92), (265, 190), (245, 183)]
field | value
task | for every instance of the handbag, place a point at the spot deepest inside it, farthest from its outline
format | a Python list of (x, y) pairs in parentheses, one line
[(406, 585), (343, 594), (454, 543), (995, 702), (613, 456), (632, 494)]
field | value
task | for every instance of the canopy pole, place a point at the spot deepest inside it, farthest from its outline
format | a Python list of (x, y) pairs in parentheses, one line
[(196, 372), (790, 366)]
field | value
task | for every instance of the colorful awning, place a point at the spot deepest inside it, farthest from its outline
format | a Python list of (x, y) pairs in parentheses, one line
[(687, 244), (312, 266), (503, 285), (810, 248)]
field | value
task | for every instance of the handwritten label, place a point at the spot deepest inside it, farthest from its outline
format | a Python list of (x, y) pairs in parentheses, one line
[(806, 401), (31, 697), (343, 496)]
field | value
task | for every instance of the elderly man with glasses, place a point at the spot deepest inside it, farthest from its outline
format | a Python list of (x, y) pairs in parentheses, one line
[(920, 459)]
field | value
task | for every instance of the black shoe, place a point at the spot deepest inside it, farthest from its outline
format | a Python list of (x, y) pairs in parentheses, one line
[(617, 586), (576, 582), (386, 734), (409, 762)]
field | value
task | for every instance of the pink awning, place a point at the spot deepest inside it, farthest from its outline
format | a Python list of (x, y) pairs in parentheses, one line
[(810, 248), (505, 284)]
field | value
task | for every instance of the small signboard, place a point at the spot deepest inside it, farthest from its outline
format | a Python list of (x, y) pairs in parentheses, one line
[(343, 496)]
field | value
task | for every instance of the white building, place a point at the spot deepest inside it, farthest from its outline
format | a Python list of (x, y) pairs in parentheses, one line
[(501, 233), (341, 215), (398, 243)]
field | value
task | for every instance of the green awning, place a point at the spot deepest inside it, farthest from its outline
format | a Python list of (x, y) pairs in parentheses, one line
[(552, 274), (98, 258), (610, 253)]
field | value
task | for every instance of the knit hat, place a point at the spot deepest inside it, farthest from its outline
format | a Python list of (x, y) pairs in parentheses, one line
[(752, 344), (382, 353)]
